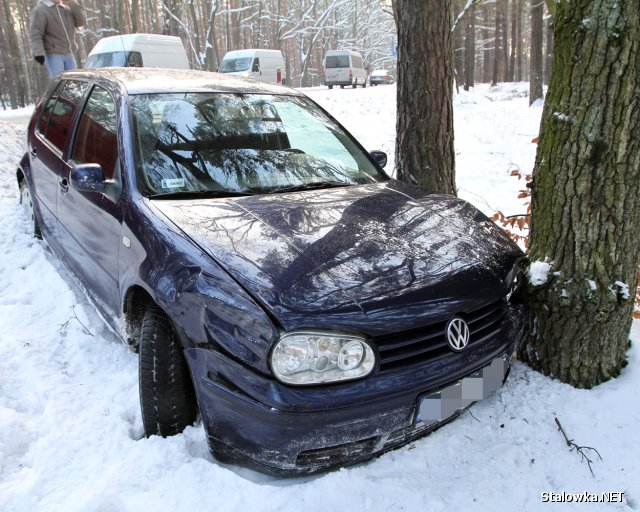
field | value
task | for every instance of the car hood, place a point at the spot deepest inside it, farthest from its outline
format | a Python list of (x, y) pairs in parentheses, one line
[(386, 256)]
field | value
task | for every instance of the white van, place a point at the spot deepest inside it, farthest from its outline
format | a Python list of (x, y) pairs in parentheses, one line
[(262, 65), (344, 67), (138, 50)]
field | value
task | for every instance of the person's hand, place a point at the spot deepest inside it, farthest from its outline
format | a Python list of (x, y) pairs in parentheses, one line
[(39, 59)]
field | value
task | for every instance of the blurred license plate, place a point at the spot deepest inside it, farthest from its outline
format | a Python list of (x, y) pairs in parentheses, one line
[(444, 403)]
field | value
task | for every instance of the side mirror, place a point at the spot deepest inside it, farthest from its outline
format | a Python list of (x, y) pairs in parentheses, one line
[(379, 157), (256, 67), (87, 178)]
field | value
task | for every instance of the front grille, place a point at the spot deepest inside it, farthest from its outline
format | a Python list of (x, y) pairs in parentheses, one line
[(429, 342)]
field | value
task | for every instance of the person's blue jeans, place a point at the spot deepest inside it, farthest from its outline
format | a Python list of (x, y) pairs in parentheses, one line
[(58, 63)]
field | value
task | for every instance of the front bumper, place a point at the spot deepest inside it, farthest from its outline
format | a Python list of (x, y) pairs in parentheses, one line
[(338, 82), (284, 430)]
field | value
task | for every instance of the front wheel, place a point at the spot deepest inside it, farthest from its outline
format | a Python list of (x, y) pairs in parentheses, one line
[(167, 398), (330, 86), (26, 200)]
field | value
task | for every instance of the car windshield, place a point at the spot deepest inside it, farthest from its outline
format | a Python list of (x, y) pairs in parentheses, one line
[(230, 144), (233, 65), (114, 59), (380, 72)]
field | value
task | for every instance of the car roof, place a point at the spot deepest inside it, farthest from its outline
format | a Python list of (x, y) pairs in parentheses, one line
[(160, 80)]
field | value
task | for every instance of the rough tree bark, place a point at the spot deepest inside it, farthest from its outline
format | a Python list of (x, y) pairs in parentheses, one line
[(586, 195), (424, 140)]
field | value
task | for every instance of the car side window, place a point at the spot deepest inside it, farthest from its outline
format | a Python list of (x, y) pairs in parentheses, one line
[(96, 139), (55, 123)]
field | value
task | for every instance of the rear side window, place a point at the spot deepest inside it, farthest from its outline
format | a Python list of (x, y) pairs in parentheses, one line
[(55, 123), (357, 61), (337, 61), (97, 137)]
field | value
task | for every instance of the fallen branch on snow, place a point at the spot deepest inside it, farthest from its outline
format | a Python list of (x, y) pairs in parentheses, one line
[(579, 449)]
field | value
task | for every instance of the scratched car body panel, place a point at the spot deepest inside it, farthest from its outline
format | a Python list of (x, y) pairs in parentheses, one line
[(321, 308)]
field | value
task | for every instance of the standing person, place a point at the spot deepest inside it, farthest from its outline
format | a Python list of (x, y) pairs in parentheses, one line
[(52, 31)]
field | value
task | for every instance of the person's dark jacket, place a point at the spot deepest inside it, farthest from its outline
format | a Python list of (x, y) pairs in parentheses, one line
[(52, 27)]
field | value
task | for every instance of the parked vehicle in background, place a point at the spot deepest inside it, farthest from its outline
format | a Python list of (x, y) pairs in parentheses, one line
[(381, 76), (262, 65), (137, 51), (272, 277), (344, 67)]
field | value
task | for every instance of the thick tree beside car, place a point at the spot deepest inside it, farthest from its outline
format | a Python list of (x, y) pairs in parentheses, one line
[(424, 140), (586, 195)]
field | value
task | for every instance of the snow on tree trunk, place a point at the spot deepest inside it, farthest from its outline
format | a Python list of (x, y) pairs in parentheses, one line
[(586, 195), (424, 141)]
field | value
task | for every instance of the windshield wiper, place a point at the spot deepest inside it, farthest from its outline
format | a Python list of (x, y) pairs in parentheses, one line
[(310, 186), (191, 194)]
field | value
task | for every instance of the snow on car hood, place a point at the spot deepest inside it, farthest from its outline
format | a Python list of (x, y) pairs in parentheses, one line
[(362, 250)]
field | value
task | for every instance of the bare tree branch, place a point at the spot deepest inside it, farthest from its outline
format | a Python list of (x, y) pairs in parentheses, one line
[(579, 449)]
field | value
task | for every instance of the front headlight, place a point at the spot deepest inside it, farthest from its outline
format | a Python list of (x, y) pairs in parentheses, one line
[(316, 358)]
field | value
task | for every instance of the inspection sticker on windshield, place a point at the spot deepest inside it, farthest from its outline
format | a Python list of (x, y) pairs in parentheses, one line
[(173, 183), (446, 402)]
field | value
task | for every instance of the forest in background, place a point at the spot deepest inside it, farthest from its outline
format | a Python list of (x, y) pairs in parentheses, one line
[(494, 40)]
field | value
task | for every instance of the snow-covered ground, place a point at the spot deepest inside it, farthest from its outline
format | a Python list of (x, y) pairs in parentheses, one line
[(71, 433)]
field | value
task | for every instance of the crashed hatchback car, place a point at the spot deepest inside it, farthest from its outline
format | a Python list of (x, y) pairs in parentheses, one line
[(275, 281)]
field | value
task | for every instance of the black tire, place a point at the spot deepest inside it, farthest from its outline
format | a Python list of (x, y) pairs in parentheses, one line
[(342, 87), (330, 86), (354, 84), (364, 84), (167, 398), (26, 200)]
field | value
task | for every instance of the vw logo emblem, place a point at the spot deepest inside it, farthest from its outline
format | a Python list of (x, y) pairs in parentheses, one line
[(457, 334)]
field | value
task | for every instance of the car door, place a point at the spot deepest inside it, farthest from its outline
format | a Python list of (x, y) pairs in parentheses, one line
[(47, 147), (90, 222)]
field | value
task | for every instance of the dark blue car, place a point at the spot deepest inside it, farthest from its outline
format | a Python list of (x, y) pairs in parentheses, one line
[(273, 278)]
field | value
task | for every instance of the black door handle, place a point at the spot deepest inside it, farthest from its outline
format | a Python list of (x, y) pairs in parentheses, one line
[(34, 151), (64, 185)]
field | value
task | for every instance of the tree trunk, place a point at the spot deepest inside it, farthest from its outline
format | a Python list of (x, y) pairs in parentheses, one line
[(535, 75), (586, 196), (470, 48), (504, 38), (548, 52), (459, 50), (424, 150), (487, 53), (497, 49), (8, 78), (514, 38), (519, 76)]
